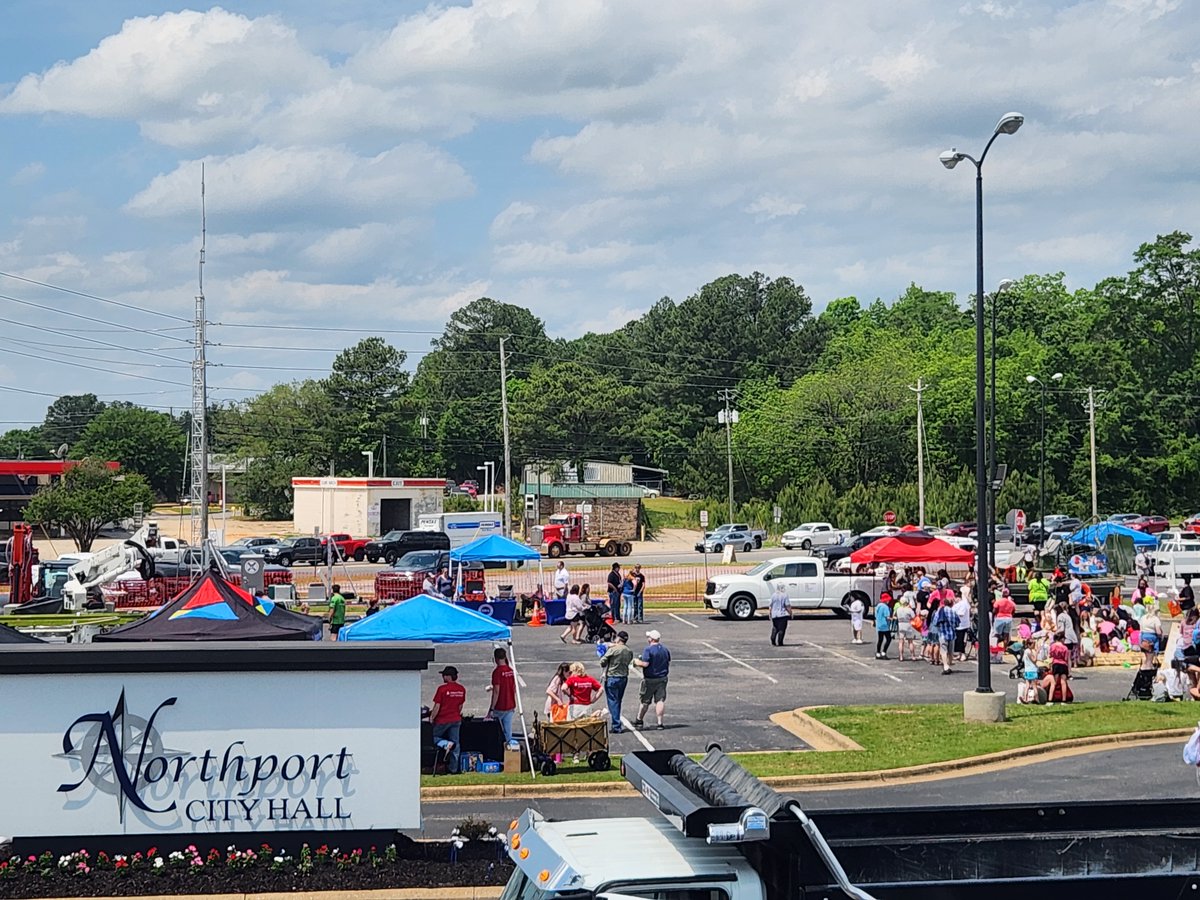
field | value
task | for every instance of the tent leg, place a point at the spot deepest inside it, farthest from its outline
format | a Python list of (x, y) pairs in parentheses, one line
[(512, 659)]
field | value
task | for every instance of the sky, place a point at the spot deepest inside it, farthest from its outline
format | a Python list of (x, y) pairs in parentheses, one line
[(371, 167)]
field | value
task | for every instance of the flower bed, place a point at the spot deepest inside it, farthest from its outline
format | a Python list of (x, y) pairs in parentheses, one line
[(405, 864)]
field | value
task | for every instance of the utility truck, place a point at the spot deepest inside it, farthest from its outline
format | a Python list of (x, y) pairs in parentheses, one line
[(725, 835), (567, 535), (808, 583), (462, 527)]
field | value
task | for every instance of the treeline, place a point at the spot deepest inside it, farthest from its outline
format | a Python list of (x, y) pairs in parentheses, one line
[(827, 410)]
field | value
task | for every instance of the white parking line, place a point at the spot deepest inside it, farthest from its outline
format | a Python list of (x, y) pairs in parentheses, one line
[(744, 665), (857, 662), (628, 726), (683, 620)]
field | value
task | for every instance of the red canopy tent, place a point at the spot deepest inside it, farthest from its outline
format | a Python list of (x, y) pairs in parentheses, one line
[(911, 547)]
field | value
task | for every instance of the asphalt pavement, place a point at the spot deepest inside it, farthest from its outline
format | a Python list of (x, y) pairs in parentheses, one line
[(1126, 775)]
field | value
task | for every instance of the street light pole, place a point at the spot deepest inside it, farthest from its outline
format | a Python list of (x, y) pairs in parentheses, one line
[(370, 455), (1004, 285), (1007, 125)]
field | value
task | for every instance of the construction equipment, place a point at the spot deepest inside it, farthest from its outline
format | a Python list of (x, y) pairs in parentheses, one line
[(22, 557), (86, 577), (567, 535)]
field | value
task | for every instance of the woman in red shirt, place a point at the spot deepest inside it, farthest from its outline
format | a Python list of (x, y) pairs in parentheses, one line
[(1060, 668), (582, 689)]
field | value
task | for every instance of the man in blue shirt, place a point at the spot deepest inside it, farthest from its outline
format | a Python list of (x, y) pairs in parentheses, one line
[(656, 666)]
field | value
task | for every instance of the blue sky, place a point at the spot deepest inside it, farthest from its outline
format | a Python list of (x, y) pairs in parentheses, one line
[(377, 165)]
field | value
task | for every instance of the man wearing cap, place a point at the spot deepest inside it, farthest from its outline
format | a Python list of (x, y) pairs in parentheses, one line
[(655, 665), (446, 716), (615, 662)]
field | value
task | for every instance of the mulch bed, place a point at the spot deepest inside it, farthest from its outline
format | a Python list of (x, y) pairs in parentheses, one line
[(408, 865)]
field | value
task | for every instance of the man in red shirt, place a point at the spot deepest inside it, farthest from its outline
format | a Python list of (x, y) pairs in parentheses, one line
[(504, 694), (1002, 618), (446, 716)]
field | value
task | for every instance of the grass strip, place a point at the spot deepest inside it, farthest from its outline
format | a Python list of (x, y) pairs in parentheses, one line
[(894, 737)]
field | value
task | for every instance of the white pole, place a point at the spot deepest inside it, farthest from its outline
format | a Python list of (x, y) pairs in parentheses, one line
[(506, 528), (1092, 435), (920, 454), (512, 661)]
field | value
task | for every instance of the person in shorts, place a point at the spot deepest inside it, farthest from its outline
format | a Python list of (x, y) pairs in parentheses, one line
[(1003, 611), (1060, 667), (337, 611), (655, 664)]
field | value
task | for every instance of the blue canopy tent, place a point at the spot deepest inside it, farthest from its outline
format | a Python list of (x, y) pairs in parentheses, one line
[(493, 548), (435, 619), (1096, 535)]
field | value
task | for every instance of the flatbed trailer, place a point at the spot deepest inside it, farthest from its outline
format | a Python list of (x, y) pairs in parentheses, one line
[(1093, 850)]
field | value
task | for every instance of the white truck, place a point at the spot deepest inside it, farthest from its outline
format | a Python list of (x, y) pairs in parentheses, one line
[(814, 535), (462, 527), (808, 584)]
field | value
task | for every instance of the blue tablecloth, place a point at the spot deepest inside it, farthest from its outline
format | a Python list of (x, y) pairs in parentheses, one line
[(500, 610)]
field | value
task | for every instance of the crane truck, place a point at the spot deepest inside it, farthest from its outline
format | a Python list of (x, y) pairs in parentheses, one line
[(567, 535), (725, 835)]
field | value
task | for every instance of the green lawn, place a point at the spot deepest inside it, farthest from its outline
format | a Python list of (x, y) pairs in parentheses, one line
[(899, 736)]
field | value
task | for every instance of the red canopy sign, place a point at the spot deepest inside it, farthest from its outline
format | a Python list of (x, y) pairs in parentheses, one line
[(911, 547)]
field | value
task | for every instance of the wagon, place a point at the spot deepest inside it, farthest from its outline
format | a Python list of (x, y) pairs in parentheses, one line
[(586, 737)]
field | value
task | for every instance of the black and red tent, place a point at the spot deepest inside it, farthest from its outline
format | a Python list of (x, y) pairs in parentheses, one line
[(12, 636), (211, 609)]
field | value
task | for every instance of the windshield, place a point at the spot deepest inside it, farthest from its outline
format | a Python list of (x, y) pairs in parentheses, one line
[(418, 559), (519, 887), (760, 568), (392, 536)]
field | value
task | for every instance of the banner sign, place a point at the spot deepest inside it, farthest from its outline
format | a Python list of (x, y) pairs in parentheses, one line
[(1088, 564), (203, 752)]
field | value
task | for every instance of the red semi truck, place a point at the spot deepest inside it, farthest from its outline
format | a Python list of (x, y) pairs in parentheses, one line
[(567, 535)]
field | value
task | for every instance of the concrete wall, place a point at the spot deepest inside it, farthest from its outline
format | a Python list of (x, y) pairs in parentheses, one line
[(355, 508), (616, 517)]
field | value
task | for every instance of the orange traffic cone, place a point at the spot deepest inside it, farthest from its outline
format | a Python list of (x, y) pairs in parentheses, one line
[(539, 617)]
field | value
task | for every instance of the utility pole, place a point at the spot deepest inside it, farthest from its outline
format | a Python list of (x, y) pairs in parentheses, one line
[(729, 417), (383, 465), (920, 454), (1092, 439), (507, 526), (198, 443)]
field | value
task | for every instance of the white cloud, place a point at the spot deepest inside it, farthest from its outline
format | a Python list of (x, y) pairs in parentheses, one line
[(28, 174), (508, 219), (292, 182), (897, 70), (526, 257), (774, 206)]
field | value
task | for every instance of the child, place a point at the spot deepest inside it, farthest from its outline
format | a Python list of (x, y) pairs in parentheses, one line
[(1060, 667), (1028, 692), (856, 620)]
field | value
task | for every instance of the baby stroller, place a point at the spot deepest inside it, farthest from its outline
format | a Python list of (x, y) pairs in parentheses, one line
[(1017, 649), (598, 629), (1143, 685)]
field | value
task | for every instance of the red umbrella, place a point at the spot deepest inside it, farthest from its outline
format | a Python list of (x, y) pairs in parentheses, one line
[(911, 547)]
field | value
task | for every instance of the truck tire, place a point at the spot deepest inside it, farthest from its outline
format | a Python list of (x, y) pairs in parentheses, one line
[(285, 561), (389, 557), (609, 548), (359, 556), (625, 549), (806, 544), (849, 598), (757, 542), (747, 548), (717, 548), (741, 607), (372, 559), (555, 551)]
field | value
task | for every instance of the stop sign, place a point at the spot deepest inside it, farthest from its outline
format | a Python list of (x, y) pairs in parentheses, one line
[(1019, 521), (889, 518)]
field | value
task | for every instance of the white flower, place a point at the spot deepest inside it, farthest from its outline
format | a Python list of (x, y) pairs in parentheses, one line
[(279, 859), (158, 862)]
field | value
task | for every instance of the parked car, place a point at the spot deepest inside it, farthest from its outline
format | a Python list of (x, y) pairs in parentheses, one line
[(1037, 533), (960, 529), (1004, 532), (716, 543), (309, 550), (469, 489), (255, 543), (814, 534), (1149, 524), (350, 547), (757, 535), (395, 544), (882, 530), (809, 585), (1124, 518)]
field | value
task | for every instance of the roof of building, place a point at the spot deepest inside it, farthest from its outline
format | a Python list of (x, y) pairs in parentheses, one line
[(27, 467), (585, 491)]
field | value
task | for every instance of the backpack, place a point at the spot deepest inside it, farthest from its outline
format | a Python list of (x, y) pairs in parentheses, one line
[(1191, 750)]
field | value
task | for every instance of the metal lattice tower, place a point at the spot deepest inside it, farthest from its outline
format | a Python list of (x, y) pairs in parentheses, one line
[(198, 484)]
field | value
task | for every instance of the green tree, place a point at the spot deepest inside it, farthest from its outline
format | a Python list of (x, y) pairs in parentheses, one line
[(24, 443), (149, 443), (267, 485), (68, 417), (368, 399), (87, 497)]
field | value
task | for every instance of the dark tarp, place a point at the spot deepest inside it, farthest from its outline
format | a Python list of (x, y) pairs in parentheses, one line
[(211, 609), (12, 636)]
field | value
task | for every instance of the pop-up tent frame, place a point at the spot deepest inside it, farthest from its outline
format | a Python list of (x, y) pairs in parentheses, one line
[(435, 619)]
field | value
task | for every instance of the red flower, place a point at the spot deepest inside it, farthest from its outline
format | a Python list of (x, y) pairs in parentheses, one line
[(122, 864), (153, 851)]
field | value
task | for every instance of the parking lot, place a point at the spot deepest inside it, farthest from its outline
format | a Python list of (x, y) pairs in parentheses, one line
[(727, 679)]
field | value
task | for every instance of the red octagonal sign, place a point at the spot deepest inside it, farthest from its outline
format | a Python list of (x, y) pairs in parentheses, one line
[(889, 518)]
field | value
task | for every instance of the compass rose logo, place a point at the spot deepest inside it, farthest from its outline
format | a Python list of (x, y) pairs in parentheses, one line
[(112, 750)]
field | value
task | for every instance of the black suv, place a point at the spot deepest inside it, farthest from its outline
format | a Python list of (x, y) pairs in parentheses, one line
[(309, 550), (395, 544)]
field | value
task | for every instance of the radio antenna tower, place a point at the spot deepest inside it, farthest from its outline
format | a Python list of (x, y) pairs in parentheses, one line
[(198, 489)]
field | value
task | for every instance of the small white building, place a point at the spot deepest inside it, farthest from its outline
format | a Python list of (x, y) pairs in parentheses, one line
[(364, 507)]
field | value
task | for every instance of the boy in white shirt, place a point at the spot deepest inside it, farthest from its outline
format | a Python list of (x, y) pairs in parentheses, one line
[(856, 620)]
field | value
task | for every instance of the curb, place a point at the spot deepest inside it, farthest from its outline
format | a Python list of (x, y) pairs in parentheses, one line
[(816, 734), (954, 768)]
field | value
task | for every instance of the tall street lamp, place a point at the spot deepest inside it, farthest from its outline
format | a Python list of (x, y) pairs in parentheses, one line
[(1033, 379), (1004, 285), (992, 710)]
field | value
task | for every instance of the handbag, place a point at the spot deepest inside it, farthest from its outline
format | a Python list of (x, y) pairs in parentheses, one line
[(918, 623), (558, 712)]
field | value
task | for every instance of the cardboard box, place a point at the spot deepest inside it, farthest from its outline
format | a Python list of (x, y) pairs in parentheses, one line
[(516, 760)]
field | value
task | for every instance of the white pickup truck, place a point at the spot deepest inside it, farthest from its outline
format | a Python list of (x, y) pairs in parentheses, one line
[(808, 584), (812, 535)]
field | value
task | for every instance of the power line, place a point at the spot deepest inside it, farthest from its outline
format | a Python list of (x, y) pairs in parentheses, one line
[(65, 290), (63, 312)]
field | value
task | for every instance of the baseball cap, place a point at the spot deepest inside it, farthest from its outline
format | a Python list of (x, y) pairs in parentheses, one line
[(449, 670), (623, 635), (654, 635)]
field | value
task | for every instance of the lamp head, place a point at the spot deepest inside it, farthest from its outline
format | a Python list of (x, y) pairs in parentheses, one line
[(1009, 123), (1057, 376), (1032, 379), (951, 158), (1004, 285)]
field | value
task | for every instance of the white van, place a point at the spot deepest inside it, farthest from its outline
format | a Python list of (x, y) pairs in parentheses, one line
[(462, 527)]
